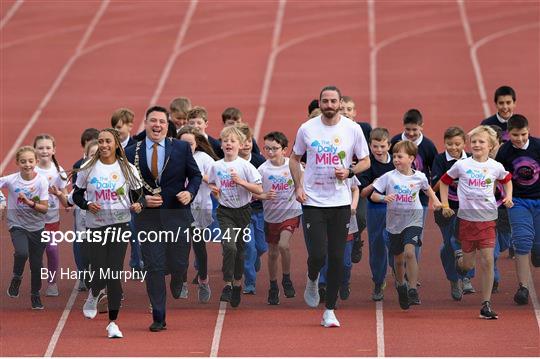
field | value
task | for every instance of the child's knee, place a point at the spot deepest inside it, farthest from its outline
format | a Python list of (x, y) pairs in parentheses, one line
[(283, 246)]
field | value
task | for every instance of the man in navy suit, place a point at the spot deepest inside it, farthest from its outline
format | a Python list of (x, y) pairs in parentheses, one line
[(164, 165)]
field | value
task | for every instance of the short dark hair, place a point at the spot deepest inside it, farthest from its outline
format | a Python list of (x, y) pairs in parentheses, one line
[(454, 132), (379, 134), (330, 88), (312, 106), (277, 136), (504, 91), (517, 122), (88, 135), (157, 109), (231, 113), (413, 117)]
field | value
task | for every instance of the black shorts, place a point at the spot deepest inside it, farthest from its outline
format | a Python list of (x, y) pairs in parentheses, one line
[(410, 235)]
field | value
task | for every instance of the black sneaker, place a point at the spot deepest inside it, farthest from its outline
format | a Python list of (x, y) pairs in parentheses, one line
[(356, 255), (195, 280), (486, 312), (226, 294), (344, 292), (414, 299), (378, 293), (36, 302), (236, 296), (459, 254), (13, 290), (273, 296), (522, 295), (322, 293), (403, 296), (288, 288), (495, 288)]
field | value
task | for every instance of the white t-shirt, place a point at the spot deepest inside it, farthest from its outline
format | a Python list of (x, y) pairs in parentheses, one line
[(279, 179), (230, 194), (20, 214), (201, 207), (406, 210), (105, 185), (328, 147), (475, 188), (53, 178)]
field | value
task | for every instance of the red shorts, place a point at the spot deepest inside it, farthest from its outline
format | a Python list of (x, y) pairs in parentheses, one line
[(476, 235), (273, 230)]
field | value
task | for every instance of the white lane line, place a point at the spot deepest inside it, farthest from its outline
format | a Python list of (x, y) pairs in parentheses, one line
[(380, 329), (218, 329), (10, 13), (57, 82), (62, 321), (174, 55), (269, 69), (372, 64), (474, 59)]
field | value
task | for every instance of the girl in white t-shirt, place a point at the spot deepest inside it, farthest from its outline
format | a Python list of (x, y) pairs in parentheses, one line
[(233, 180), (201, 207), (49, 168), (400, 190), (281, 213), (108, 187), (477, 213), (27, 204)]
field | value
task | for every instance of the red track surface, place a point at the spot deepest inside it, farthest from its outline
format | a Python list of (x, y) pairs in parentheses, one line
[(225, 56)]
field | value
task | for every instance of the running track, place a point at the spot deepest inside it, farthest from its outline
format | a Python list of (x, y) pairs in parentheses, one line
[(66, 66)]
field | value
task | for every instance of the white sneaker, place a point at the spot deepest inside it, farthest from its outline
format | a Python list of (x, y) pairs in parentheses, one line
[(90, 306), (184, 292), (311, 294), (329, 319), (103, 302), (52, 290), (113, 331)]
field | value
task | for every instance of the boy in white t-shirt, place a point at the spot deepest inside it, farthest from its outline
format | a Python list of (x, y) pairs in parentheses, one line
[(232, 181), (281, 213), (477, 213), (400, 190)]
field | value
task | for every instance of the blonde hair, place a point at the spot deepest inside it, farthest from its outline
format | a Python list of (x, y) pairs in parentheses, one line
[(490, 132), (23, 149), (198, 112), (244, 127), (232, 131)]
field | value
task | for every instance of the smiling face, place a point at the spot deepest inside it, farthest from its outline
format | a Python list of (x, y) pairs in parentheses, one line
[(156, 126), (199, 123), (26, 161), (245, 149), (481, 146), (454, 146), (505, 106), (45, 150), (380, 149), (412, 131), (348, 109), (107, 146), (519, 136)]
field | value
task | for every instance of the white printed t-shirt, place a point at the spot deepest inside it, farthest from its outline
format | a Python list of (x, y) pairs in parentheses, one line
[(106, 185), (279, 179), (232, 195), (475, 188), (20, 214), (53, 178), (406, 210), (328, 147), (201, 207)]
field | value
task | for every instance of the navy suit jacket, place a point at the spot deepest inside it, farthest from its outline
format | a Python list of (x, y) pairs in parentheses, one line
[(179, 167)]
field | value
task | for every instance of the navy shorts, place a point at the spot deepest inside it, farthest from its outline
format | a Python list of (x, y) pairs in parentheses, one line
[(410, 235)]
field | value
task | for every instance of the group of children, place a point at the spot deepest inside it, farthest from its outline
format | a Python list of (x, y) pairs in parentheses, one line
[(241, 189)]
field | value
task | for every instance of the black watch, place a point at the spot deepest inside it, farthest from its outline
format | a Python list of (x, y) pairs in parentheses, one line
[(351, 173)]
